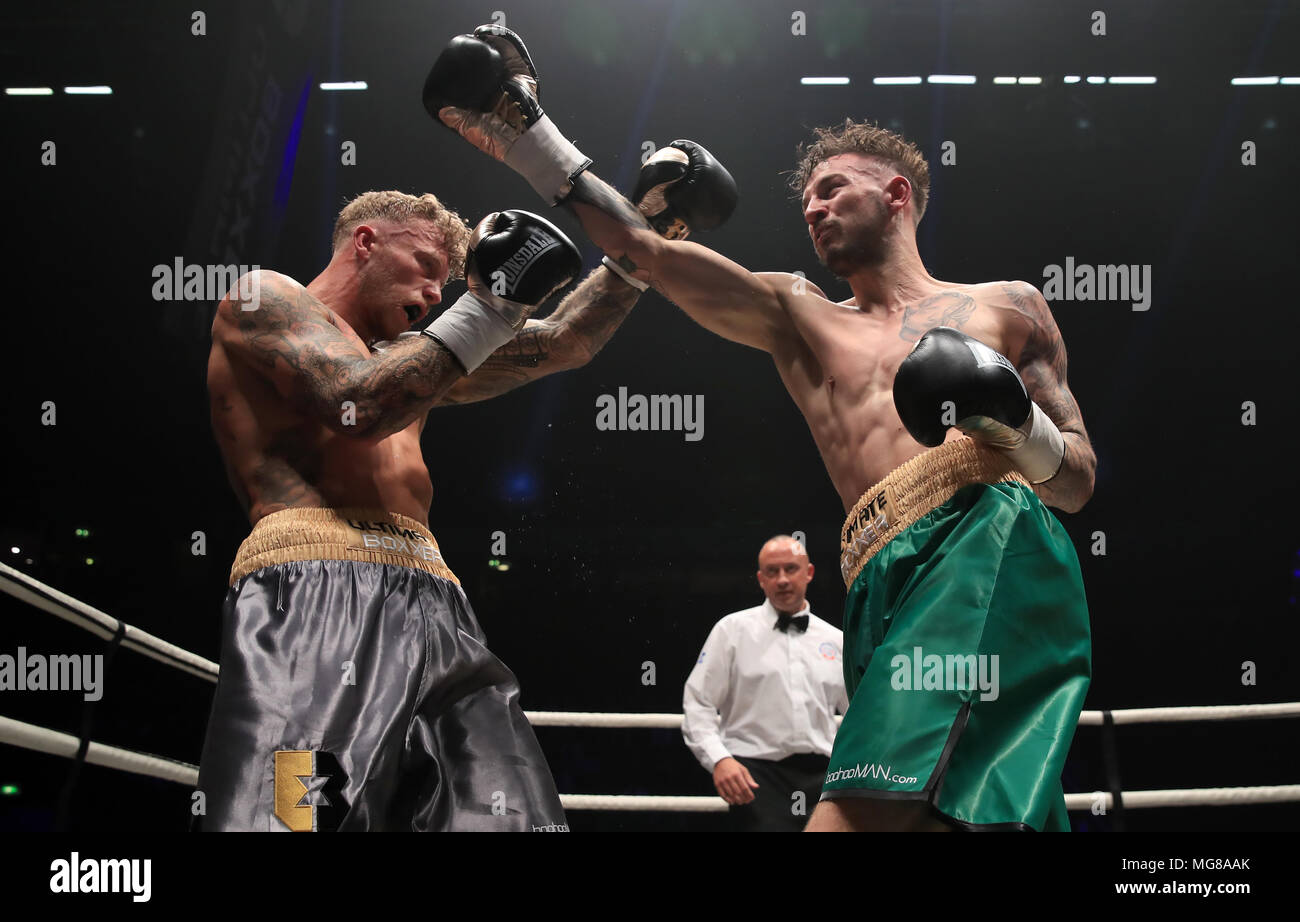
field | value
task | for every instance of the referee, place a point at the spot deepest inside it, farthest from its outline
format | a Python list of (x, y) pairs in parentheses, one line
[(760, 703)]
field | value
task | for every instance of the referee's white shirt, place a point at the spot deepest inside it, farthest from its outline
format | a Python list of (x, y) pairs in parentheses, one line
[(760, 693)]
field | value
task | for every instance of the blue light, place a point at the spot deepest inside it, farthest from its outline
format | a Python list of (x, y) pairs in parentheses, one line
[(520, 486)]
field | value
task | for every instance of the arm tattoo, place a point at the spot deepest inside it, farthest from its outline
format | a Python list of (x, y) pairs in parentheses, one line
[(592, 191), (318, 369), (1043, 368), (569, 338), (945, 309)]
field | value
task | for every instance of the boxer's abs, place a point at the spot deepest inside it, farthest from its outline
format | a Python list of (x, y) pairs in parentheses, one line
[(841, 376)]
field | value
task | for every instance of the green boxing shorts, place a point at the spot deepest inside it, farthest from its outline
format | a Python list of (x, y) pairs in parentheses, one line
[(967, 651)]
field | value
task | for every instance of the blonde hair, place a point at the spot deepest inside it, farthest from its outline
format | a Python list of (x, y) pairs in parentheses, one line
[(873, 141), (402, 208)]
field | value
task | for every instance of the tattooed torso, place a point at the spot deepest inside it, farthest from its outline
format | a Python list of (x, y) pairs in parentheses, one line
[(278, 458), (281, 374), (841, 370)]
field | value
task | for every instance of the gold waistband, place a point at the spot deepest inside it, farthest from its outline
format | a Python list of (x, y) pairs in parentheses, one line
[(910, 491), (364, 535)]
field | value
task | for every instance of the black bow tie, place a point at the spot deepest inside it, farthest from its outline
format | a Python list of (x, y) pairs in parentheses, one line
[(783, 622)]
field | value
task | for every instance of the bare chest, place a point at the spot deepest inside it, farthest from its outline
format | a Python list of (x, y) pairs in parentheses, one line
[(851, 357)]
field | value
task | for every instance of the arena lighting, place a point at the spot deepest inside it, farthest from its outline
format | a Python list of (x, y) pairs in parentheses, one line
[(824, 81), (1290, 81), (1133, 81), (1096, 80), (1073, 78), (88, 90), (1003, 81), (895, 81), (958, 79), (15, 550), (1258, 81), (1030, 81), (346, 85), (28, 91)]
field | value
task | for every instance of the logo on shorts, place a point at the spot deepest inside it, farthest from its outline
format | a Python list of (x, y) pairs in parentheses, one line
[(309, 790), (829, 651), (869, 526), (396, 539), (871, 771)]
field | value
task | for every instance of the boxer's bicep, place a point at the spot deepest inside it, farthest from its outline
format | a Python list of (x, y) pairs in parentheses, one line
[(1043, 367), (1043, 363), (722, 296)]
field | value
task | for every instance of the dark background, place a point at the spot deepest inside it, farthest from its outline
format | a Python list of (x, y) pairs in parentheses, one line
[(625, 547)]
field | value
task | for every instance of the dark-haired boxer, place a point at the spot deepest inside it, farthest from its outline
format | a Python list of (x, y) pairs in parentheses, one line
[(948, 553)]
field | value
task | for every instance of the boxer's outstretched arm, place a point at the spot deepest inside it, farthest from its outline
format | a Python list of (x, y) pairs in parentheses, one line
[(569, 338), (287, 336), (717, 293), (1042, 366)]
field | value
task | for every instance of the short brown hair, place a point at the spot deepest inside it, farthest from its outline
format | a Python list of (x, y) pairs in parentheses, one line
[(400, 208), (873, 141)]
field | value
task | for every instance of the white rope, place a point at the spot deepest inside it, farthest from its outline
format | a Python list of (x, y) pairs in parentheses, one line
[(34, 592), (594, 719), (643, 802), (1189, 797), (30, 736), (1087, 718), (1194, 797), (1180, 714)]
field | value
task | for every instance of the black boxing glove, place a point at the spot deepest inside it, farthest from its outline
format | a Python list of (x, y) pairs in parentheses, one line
[(516, 261), (682, 187), (987, 399), (484, 87)]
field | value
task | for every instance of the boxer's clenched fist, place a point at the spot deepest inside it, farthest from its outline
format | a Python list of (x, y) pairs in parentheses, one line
[(681, 188), (484, 87), (516, 261)]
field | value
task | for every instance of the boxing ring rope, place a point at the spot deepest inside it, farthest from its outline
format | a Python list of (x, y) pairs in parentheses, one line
[(30, 736), (1086, 718), (41, 739), (47, 599)]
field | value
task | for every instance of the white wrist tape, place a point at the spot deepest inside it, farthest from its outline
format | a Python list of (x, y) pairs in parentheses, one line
[(471, 329), (623, 274), (547, 159), (1041, 455)]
